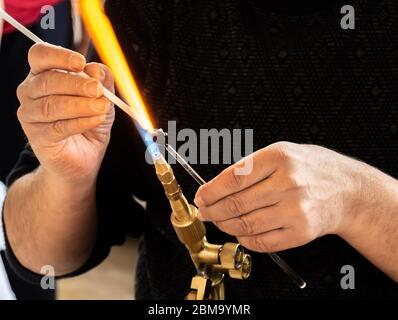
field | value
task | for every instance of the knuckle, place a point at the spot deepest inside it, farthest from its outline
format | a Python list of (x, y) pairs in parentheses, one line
[(234, 181), (257, 196), (260, 245), (21, 91), (91, 103), (233, 205), (58, 128), (20, 114), (43, 82), (46, 108), (77, 83), (245, 225)]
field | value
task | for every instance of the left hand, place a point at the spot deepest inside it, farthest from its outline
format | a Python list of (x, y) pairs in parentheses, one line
[(294, 194)]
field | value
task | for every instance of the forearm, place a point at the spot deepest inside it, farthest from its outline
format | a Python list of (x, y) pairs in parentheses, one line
[(49, 222), (373, 229)]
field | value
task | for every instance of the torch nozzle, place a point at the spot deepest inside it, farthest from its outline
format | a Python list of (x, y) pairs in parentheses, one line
[(178, 202)]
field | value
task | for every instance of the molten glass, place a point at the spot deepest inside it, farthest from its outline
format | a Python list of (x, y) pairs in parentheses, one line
[(104, 38)]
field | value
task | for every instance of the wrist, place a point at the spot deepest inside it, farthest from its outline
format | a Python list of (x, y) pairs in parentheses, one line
[(376, 194), (81, 188)]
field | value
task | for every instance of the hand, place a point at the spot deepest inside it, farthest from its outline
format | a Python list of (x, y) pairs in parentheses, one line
[(63, 114), (294, 194)]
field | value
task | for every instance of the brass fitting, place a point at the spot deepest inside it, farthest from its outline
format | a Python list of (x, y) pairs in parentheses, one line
[(211, 261)]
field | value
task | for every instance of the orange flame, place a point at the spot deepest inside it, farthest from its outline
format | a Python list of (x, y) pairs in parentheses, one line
[(104, 38)]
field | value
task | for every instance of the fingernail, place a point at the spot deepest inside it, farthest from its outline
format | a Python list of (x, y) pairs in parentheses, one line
[(92, 88), (199, 201), (76, 62)]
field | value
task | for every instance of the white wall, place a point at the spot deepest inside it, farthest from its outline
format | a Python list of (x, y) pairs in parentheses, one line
[(5, 289)]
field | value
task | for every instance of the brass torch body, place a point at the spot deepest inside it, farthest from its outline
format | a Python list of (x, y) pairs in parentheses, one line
[(227, 258), (190, 230)]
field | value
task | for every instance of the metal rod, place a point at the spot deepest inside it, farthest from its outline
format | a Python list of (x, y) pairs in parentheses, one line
[(185, 165), (288, 270)]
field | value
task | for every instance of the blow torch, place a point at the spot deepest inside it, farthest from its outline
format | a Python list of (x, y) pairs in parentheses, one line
[(212, 261)]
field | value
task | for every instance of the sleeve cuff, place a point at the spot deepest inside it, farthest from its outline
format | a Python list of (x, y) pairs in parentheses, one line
[(99, 253), (19, 269)]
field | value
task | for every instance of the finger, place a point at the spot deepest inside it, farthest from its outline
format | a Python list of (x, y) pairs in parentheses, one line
[(60, 130), (253, 223), (54, 108), (264, 163), (95, 70), (262, 194), (272, 241), (102, 73), (44, 56), (55, 82), (109, 81)]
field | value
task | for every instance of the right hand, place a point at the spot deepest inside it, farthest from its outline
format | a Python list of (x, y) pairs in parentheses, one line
[(64, 115)]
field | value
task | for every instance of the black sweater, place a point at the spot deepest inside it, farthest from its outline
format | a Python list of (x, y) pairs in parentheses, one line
[(291, 73)]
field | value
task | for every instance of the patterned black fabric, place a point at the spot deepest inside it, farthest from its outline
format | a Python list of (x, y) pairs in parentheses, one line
[(291, 73)]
